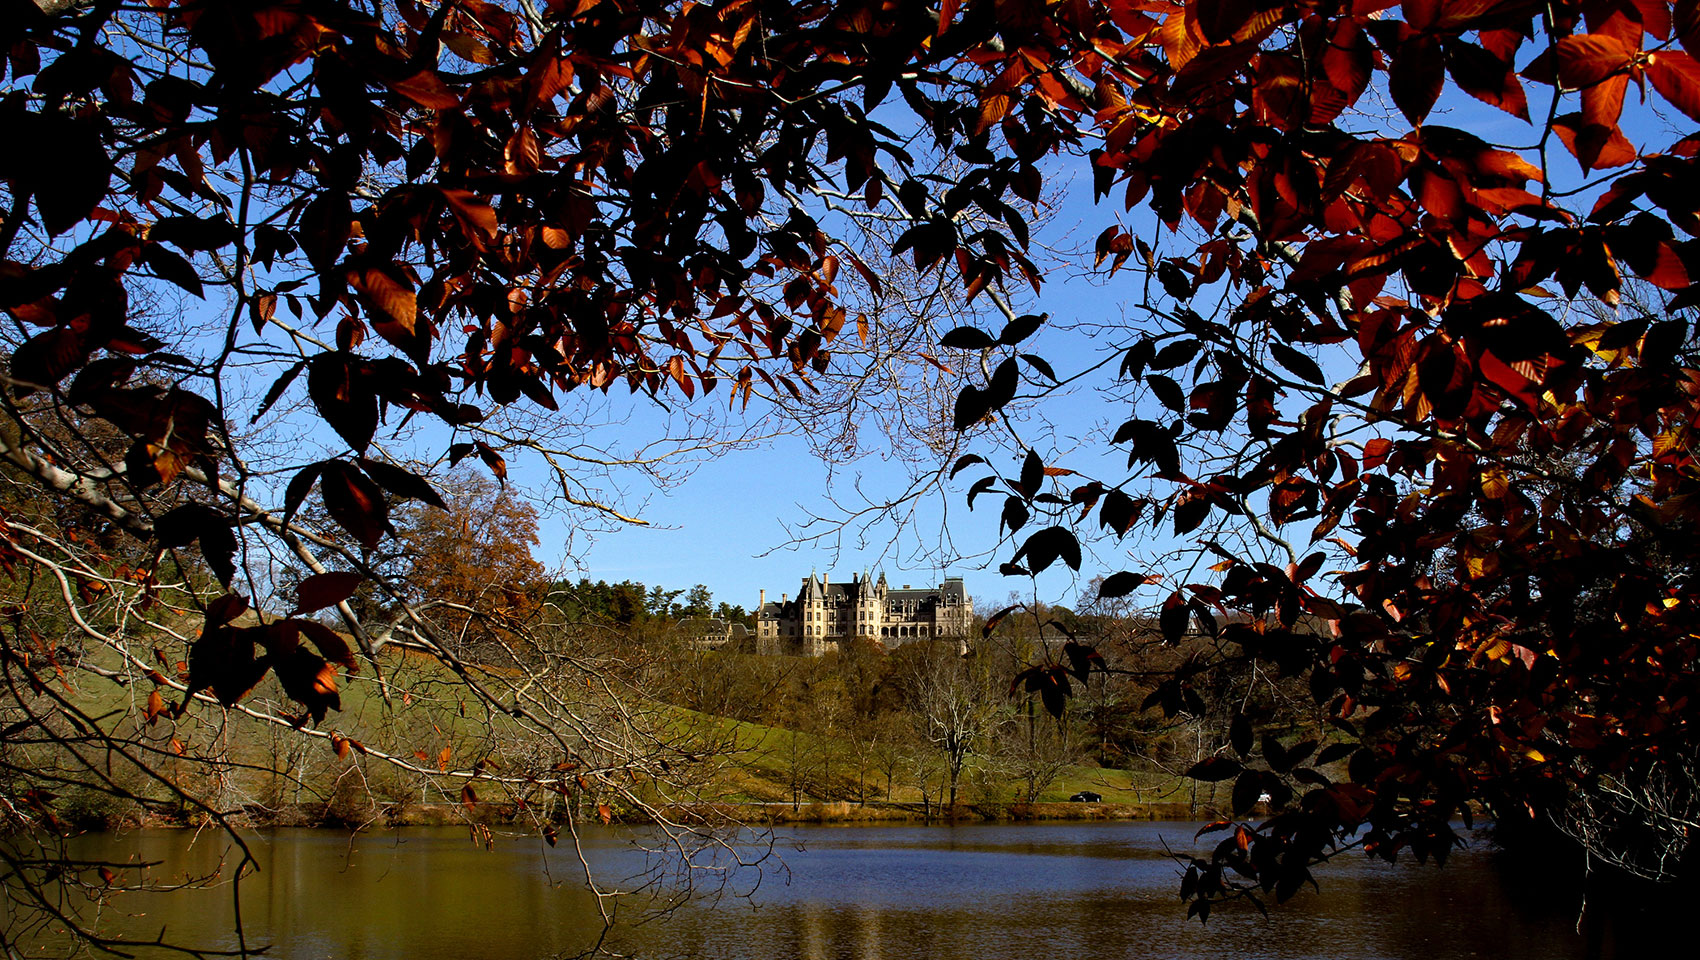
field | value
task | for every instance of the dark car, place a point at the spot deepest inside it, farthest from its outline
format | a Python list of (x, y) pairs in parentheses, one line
[(1086, 796)]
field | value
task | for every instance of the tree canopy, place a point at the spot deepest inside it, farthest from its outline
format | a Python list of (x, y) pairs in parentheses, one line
[(1399, 354)]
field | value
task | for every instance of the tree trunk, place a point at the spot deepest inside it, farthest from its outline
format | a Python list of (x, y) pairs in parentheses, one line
[(1032, 754)]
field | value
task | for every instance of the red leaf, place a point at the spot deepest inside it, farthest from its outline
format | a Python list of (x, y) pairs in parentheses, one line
[(1667, 270), (66, 165), (1376, 451), (1519, 387), (308, 680), (224, 609), (1586, 59), (296, 492), (223, 657), (521, 156), (340, 385), (947, 13), (1420, 14), (1487, 78), (426, 89), (1602, 103), (323, 590), (387, 296), (46, 358), (1415, 77), (1685, 23), (1677, 78), (473, 213), (1595, 147), (401, 483), (330, 643), (354, 502), (194, 521), (324, 228), (1348, 59)]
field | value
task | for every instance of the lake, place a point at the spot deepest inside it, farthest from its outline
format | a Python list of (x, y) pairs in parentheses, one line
[(976, 892)]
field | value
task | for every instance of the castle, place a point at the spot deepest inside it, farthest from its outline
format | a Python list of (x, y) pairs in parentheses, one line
[(826, 613)]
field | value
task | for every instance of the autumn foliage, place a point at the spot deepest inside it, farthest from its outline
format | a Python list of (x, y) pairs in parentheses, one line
[(1383, 258), (1443, 390)]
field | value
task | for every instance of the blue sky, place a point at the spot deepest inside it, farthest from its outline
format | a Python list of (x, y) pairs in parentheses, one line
[(727, 527), (731, 525)]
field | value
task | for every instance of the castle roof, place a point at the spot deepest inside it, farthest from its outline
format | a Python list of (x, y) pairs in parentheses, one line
[(861, 586)]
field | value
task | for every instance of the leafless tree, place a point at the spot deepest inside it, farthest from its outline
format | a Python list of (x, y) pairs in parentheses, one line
[(1642, 820), (955, 710)]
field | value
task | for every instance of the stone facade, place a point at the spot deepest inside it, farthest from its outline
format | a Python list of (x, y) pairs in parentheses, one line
[(825, 614)]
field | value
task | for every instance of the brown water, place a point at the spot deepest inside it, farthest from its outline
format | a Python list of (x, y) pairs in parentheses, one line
[(979, 892)]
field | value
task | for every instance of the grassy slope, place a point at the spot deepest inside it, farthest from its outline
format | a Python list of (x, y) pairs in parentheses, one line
[(763, 762), (424, 713)]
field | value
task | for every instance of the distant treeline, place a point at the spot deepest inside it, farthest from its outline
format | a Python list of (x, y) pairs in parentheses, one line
[(630, 602)]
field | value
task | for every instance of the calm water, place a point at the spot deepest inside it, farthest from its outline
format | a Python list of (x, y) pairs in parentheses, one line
[(979, 892)]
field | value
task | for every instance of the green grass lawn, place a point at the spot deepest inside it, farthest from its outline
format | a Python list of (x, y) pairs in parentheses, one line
[(427, 711)]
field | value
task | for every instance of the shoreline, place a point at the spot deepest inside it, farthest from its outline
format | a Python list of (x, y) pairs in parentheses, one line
[(753, 814), (849, 812)]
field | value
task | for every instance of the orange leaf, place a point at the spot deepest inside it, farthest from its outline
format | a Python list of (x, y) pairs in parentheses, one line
[(426, 89), (549, 75), (1667, 269), (605, 812), (1595, 147), (468, 48), (1676, 76), (1519, 387), (1602, 103), (1587, 59), (947, 13), (1181, 39), (993, 108), (1506, 164), (393, 299), (475, 215), (522, 154)]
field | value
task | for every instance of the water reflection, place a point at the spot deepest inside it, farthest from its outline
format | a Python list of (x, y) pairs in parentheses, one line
[(881, 893)]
